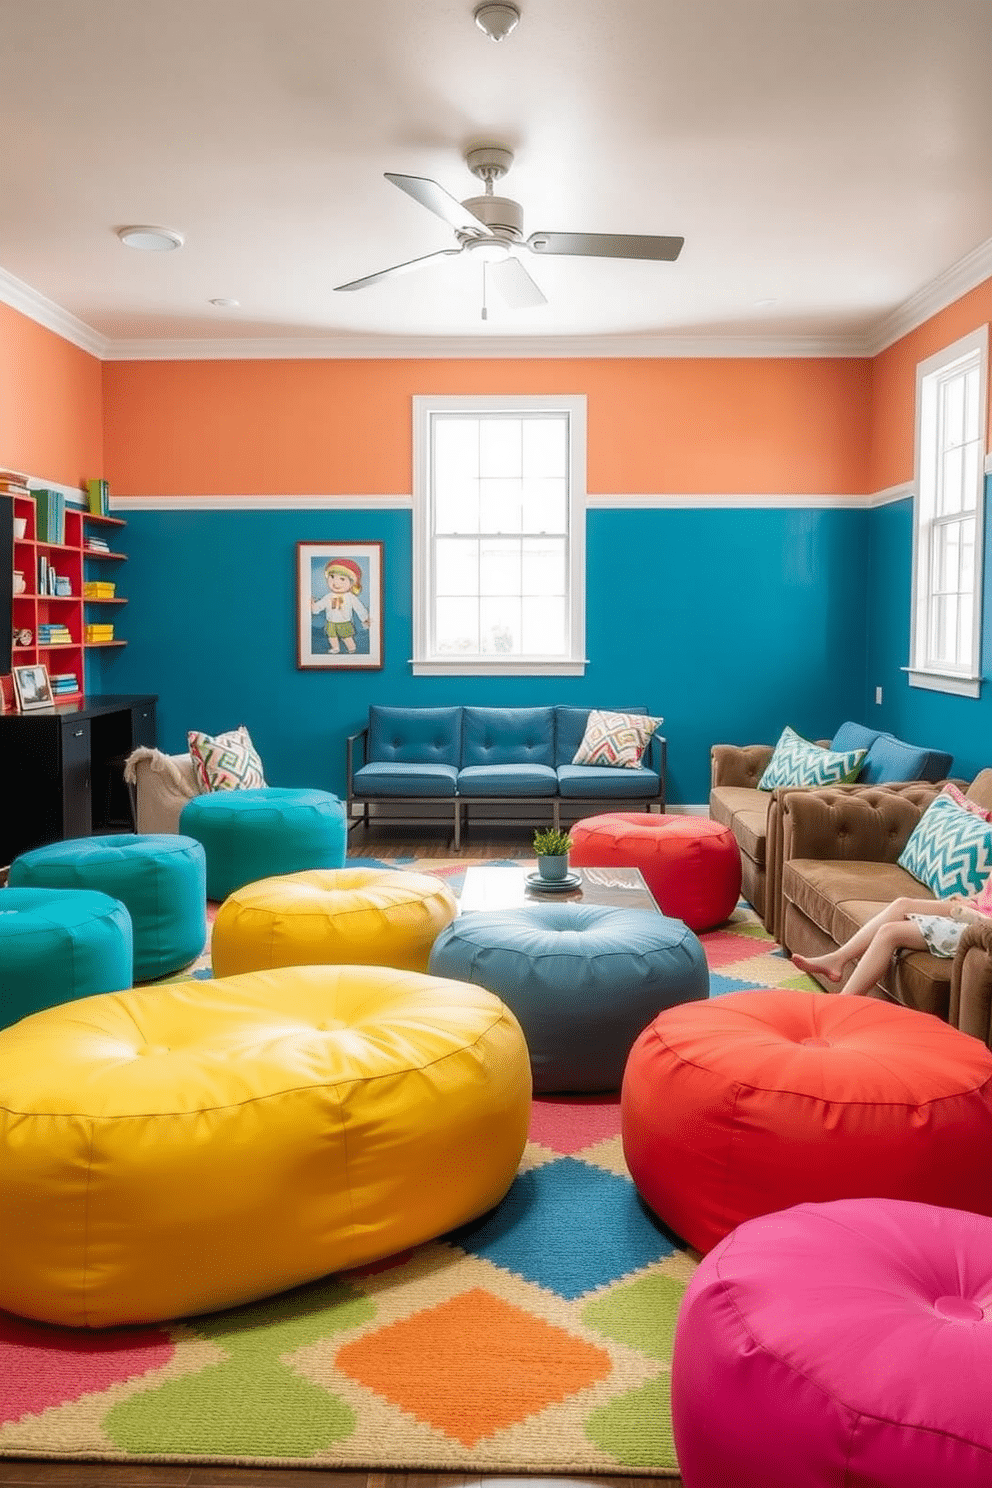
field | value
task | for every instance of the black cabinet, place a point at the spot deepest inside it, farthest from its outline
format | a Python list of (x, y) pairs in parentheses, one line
[(62, 769)]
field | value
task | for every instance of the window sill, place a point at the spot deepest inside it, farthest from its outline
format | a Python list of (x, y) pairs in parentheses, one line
[(485, 668), (970, 687)]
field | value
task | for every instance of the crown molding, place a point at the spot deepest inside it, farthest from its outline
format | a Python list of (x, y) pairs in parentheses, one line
[(505, 348), (956, 281), (43, 312)]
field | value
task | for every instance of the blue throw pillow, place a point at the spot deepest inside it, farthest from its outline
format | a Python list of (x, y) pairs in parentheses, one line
[(950, 850), (890, 759)]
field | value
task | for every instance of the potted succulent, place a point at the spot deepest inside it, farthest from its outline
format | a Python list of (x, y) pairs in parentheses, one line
[(552, 849)]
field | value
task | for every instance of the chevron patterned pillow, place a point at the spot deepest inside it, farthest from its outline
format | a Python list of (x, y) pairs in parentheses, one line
[(797, 761), (226, 761), (950, 850), (615, 739)]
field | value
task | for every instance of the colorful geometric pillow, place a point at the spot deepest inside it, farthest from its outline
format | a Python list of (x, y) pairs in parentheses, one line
[(615, 739), (797, 761), (226, 761), (950, 850)]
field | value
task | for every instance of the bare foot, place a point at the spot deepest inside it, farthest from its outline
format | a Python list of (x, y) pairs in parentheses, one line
[(817, 966)]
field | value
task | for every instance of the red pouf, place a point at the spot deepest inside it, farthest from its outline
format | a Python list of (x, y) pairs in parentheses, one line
[(756, 1101), (691, 865)]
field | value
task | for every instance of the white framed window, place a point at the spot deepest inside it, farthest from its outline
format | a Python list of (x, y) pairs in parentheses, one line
[(948, 518), (499, 490)]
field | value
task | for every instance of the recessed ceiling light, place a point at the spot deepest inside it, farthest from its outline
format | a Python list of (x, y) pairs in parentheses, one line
[(151, 239), (223, 304)]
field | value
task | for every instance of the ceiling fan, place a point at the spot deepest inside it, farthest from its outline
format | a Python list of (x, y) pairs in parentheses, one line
[(491, 228)]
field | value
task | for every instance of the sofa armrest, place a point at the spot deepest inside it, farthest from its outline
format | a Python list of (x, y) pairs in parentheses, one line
[(657, 760), (355, 744), (739, 764), (971, 983), (860, 823)]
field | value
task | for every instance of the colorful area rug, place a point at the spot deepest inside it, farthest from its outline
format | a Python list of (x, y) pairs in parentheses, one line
[(537, 1339)]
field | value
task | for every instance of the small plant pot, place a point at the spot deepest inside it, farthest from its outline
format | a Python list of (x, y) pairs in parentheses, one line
[(553, 869)]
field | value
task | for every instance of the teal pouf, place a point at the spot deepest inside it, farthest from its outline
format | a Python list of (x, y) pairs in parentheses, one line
[(160, 878), (582, 979), (60, 944), (253, 834)]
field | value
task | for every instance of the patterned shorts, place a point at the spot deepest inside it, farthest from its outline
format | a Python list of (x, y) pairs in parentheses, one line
[(942, 934)]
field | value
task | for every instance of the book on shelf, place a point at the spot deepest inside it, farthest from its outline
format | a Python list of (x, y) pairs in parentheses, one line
[(49, 515), (96, 545), (99, 633), (99, 589), (98, 497)]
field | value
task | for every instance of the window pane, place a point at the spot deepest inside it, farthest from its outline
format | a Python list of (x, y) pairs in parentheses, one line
[(544, 626), (457, 626), (499, 622), (971, 404), (499, 506), (456, 506), (947, 555), (499, 569), (456, 567), (971, 481), (968, 557), (944, 642), (543, 567), (499, 447), (545, 504), (953, 411), (545, 447), (950, 485)]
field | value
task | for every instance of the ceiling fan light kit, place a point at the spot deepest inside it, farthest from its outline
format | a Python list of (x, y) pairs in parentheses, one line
[(496, 18)]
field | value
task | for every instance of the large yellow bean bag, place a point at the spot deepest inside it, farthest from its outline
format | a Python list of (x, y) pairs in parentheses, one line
[(345, 916), (177, 1149)]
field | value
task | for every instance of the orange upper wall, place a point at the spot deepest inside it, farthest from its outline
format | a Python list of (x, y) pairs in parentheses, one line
[(891, 446), (51, 403), (323, 427)]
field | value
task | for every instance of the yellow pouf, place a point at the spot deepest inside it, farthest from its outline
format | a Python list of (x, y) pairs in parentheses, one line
[(339, 916), (177, 1149)]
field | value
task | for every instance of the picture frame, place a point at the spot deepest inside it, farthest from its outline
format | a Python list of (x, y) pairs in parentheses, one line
[(339, 606), (32, 688)]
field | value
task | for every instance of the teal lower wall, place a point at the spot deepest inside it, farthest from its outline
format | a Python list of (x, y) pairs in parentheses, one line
[(729, 623), (961, 725)]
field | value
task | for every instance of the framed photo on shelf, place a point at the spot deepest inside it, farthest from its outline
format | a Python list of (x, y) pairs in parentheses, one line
[(339, 605), (32, 688)]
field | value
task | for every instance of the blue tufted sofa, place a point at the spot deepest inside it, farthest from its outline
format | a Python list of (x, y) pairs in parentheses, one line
[(470, 756)]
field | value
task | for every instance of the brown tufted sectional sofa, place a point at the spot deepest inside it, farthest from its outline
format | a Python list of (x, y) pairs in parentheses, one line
[(839, 846)]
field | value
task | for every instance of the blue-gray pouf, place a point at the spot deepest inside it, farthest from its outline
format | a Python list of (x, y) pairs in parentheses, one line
[(161, 879), (60, 944), (253, 834), (583, 981)]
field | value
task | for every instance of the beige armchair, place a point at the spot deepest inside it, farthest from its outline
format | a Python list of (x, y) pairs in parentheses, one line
[(160, 785)]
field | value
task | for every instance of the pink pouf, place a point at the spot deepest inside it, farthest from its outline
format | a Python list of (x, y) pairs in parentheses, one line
[(691, 865), (841, 1345)]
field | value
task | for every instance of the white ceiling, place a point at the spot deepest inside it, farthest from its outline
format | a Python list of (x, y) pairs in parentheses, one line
[(829, 163)]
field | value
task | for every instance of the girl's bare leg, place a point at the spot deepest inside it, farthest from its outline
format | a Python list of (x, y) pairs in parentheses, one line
[(833, 965), (895, 936)]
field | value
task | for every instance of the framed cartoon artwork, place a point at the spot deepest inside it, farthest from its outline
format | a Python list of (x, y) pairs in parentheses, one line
[(32, 688), (339, 605)]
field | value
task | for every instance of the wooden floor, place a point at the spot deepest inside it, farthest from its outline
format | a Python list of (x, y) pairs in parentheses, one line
[(387, 843)]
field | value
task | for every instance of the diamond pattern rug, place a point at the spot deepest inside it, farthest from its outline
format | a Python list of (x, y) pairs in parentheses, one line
[(537, 1339)]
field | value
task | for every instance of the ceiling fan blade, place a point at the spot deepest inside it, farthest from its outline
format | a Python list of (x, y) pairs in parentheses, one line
[(607, 245), (403, 268), (511, 280), (434, 197)]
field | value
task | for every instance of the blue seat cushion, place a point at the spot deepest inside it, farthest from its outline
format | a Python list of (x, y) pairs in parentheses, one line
[(406, 779), (595, 781), (507, 780), (508, 736), (570, 727), (414, 736)]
